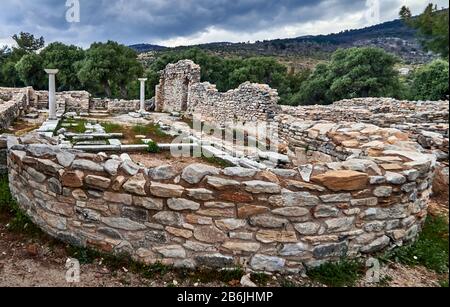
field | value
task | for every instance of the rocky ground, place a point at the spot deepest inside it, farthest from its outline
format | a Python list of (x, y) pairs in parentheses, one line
[(39, 261)]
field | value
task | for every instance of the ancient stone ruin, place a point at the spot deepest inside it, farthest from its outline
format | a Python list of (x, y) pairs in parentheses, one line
[(356, 179)]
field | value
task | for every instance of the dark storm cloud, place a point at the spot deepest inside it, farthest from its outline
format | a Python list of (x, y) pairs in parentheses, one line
[(130, 21)]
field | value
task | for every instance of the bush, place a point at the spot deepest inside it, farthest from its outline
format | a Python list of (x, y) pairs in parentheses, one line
[(153, 147), (430, 82), (352, 73)]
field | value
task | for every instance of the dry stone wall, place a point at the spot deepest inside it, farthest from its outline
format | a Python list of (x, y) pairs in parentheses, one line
[(180, 90), (278, 220), (426, 122), (175, 82), (248, 103), (13, 103), (69, 101)]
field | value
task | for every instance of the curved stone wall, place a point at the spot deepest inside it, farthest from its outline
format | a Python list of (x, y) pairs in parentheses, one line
[(277, 220)]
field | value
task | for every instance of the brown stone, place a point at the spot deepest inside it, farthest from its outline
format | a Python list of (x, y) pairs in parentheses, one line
[(216, 212), (166, 190), (178, 232), (125, 199), (350, 143), (98, 182), (209, 234), (267, 176), (118, 182), (136, 185), (344, 180), (72, 179), (237, 197), (196, 219), (242, 246), (270, 236), (246, 211)]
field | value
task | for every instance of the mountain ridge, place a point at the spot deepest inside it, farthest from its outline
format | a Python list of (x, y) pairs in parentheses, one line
[(393, 36)]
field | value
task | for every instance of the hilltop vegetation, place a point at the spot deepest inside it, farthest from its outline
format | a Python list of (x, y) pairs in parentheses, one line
[(111, 69), (394, 36)]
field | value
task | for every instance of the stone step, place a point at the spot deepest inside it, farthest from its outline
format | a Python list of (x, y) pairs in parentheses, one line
[(80, 136), (92, 143), (115, 142), (97, 148)]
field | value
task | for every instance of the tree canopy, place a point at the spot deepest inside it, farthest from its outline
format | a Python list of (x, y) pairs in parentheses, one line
[(28, 42), (432, 26), (110, 64), (430, 82), (30, 70), (351, 73), (64, 58)]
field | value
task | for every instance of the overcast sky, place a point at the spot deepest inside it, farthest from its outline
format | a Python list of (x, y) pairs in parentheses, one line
[(186, 22)]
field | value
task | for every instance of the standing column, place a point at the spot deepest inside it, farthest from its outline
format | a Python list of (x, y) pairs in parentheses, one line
[(51, 93), (142, 109)]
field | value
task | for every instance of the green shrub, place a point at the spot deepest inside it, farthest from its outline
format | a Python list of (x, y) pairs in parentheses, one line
[(153, 147), (352, 73), (430, 82)]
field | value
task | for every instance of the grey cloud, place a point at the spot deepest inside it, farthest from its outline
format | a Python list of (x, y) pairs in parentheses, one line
[(132, 21)]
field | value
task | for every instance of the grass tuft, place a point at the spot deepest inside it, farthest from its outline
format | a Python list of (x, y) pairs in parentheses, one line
[(342, 274), (261, 279), (19, 222), (112, 127), (430, 250), (153, 147)]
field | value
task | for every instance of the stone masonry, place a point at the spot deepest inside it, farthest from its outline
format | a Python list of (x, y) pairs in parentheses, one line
[(172, 94), (280, 220), (180, 90)]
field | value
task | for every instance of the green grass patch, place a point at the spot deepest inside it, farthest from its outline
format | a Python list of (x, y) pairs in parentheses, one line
[(286, 283), (153, 147), (342, 274), (112, 127), (444, 283), (79, 128), (261, 279), (430, 250), (19, 221), (147, 130), (116, 262)]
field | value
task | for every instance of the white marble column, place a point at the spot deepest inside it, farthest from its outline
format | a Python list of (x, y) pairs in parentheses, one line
[(142, 109), (51, 93)]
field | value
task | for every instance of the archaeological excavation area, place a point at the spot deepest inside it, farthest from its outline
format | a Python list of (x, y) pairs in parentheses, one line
[(168, 179)]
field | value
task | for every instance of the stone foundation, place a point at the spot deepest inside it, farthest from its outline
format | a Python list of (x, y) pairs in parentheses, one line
[(13, 103), (279, 220)]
